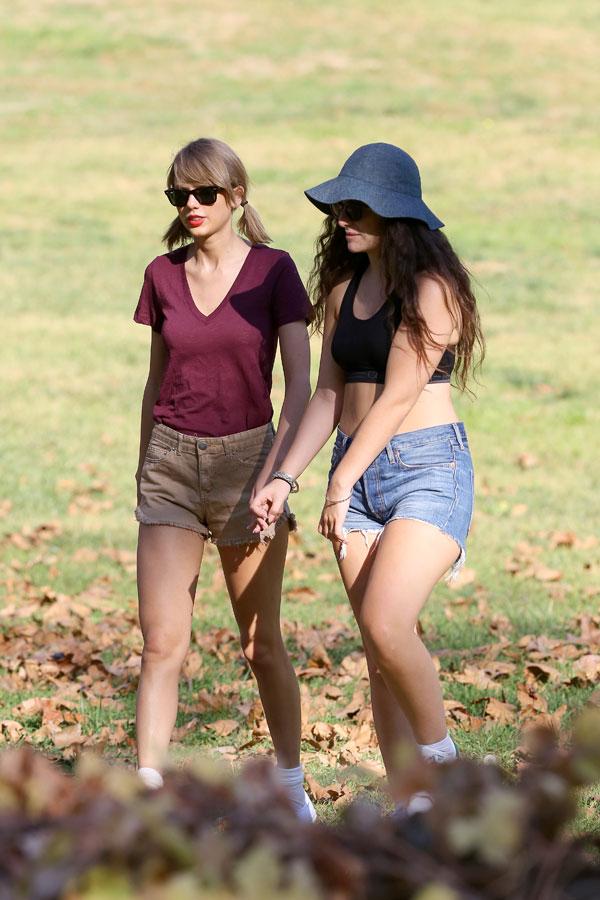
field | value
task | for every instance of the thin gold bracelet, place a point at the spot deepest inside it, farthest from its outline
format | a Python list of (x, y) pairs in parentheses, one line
[(329, 502)]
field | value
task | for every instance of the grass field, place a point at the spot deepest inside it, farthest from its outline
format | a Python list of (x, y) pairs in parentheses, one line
[(499, 103)]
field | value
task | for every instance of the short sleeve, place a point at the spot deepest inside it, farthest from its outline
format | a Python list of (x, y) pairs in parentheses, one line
[(290, 300), (148, 311)]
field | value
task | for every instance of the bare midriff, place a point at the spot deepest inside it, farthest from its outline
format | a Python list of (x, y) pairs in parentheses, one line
[(434, 407)]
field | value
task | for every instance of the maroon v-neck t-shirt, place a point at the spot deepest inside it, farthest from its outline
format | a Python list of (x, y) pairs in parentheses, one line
[(218, 376)]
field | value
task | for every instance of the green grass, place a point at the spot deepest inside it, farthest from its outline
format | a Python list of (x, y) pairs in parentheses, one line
[(499, 104)]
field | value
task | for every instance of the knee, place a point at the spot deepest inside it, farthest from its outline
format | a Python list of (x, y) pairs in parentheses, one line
[(262, 651), (386, 642), (164, 649)]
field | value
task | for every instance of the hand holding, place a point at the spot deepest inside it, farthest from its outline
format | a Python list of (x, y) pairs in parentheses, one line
[(268, 503), (331, 523)]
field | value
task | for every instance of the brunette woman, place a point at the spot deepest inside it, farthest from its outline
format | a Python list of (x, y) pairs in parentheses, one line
[(218, 304), (398, 318)]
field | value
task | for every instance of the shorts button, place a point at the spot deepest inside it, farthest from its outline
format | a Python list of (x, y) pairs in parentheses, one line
[(201, 445)]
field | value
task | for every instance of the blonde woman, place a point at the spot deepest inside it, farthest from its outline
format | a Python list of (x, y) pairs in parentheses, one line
[(218, 304)]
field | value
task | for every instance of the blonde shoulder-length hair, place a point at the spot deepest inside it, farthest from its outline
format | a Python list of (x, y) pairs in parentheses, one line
[(208, 161)]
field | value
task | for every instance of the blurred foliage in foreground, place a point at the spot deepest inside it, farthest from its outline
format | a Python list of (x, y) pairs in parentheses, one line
[(210, 834)]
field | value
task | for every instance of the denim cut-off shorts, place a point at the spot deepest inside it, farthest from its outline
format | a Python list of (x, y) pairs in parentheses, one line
[(426, 475)]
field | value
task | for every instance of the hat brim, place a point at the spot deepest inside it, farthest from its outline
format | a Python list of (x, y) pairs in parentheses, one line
[(383, 201)]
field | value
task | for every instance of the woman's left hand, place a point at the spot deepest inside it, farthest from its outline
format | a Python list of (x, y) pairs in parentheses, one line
[(331, 523), (268, 504)]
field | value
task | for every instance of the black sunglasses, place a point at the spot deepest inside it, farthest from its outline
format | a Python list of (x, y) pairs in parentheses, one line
[(205, 195), (352, 210)]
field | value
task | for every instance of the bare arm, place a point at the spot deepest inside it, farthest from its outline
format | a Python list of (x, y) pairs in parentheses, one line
[(158, 360), (319, 420), (295, 357), (405, 379)]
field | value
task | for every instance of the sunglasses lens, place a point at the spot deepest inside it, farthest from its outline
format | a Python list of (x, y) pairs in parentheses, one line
[(206, 196), (177, 196), (352, 210), (355, 210)]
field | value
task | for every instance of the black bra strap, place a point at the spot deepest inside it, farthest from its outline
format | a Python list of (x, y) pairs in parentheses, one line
[(347, 303)]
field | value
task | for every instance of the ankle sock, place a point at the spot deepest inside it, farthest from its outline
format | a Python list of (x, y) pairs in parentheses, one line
[(440, 752), (421, 802), (292, 781), (151, 777)]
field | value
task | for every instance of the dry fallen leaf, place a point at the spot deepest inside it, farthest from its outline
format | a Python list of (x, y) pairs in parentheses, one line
[(222, 727), (304, 594), (519, 509), (84, 554), (183, 730), (193, 665), (68, 737), (30, 707), (544, 573), (475, 676), (587, 668), (355, 705), (319, 657), (527, 460), (322, 734), (500, 712), (530, 702), (332, 792), (354, 666), (562, 539), (539, 671), (10, 730), (332, 692), (317, 791)]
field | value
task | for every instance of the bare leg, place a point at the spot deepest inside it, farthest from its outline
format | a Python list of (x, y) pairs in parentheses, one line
[(168, 564), (410, 559), (391, 725), (254, 575)]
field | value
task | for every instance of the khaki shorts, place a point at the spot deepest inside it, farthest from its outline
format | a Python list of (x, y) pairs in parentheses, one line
[(204, 483)]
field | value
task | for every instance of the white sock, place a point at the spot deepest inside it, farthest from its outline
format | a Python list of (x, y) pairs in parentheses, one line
[(442, 751), (292, 781), (151, 777), (421, 802)]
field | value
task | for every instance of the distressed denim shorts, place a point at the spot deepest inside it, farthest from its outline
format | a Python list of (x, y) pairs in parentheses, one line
[(426, 475), (204, 483)]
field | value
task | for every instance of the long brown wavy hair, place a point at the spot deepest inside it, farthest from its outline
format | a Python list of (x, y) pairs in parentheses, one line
[(408, 249)]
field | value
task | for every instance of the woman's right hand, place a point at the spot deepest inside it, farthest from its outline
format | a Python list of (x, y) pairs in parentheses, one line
[(268, 503)]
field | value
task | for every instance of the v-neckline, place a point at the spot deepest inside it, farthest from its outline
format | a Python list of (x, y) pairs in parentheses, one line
[(190, 297)]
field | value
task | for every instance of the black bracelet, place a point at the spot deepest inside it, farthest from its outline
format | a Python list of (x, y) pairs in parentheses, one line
[(283, 476)]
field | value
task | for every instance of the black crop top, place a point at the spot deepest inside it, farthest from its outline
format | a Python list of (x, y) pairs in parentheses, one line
[(361, 346)]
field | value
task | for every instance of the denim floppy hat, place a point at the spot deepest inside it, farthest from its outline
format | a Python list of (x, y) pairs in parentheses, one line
[(384, 177)]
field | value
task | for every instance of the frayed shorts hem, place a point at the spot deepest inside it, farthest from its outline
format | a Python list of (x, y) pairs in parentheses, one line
[(261, 537), (146, 520), (454, 569), (459, 562)]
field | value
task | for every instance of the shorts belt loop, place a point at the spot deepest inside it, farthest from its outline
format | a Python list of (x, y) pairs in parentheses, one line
[(390, 453), (179, 443), (458, 435)]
